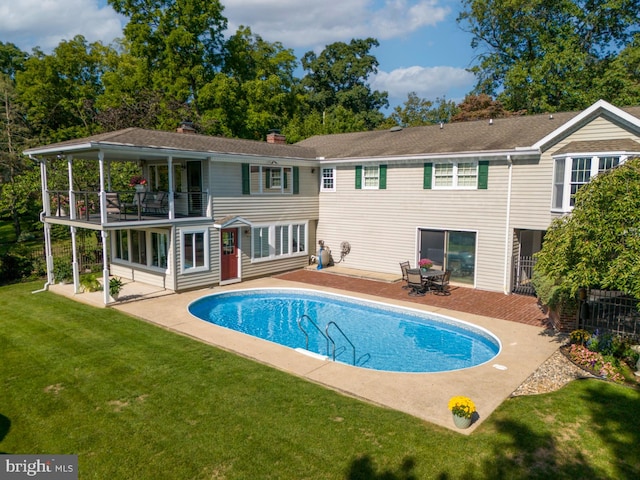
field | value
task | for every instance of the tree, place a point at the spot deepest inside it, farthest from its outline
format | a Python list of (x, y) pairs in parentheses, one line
[(181, 42), (58, 91), (479, 107), (11, 59), (338, 77), (255, 90), (546, 55), (416, 111), (598, 245)]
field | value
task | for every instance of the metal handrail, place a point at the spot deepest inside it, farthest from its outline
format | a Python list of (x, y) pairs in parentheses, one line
[(317, 328), (334, 343)]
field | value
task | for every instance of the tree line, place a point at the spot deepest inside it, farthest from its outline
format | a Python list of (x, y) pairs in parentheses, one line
[(175, 62)]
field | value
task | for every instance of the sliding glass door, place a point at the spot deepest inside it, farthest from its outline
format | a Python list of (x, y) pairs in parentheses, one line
[(451, 250)]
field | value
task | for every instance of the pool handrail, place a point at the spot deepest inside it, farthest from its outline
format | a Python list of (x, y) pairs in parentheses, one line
[(306, 335), (353, 347)]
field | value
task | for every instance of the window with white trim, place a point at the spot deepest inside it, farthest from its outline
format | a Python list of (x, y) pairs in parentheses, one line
[(328, 179), (573, 172), (277, 241), (271, 179), (148, 248), (194, 250), (370, 176), (455, 175)]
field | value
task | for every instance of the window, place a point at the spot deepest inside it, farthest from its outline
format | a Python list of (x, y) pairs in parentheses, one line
[(462, 175), (142, 247), (572, 173), (328, 179), (454, 174), (195, 250), (267, 179), (282, 240), (371, 177), (260, 242)]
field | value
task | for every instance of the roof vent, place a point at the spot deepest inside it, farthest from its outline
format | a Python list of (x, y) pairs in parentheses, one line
[(551, 116), (395, 128), (491, 121)]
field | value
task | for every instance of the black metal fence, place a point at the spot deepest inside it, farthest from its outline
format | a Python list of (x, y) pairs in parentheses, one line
[(89, 257), (610, 311), (522, 275)]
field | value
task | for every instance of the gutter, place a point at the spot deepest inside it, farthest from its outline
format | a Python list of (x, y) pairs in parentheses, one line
[(507, 230)]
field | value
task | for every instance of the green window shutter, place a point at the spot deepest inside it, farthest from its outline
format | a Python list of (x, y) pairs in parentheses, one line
[(428, 175), (296, 180), (246, 181), (358, 177), (383, 177), (483, 174)]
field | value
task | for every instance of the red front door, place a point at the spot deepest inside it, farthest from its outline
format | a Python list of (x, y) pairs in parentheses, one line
[(229, 254)]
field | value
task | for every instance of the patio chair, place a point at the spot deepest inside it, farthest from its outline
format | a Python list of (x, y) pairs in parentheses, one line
[(415, 283), (155, 202), (441, 284), (404, 266), (114, 206)]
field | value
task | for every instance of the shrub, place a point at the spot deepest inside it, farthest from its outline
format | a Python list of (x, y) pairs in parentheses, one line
[(62, 269), (90, 283)]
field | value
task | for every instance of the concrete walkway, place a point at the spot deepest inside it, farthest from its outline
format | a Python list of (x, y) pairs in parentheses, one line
[(424, 395)]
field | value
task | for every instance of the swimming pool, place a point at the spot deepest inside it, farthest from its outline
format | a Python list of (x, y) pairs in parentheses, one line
[(356, 332)]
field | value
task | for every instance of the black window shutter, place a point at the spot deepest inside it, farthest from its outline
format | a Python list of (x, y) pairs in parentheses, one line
[(246, 181), (296, 180), (428, 175), (383, 177), (483, 174)]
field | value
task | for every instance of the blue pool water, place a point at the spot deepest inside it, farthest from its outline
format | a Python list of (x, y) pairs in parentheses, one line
[(384, 337)]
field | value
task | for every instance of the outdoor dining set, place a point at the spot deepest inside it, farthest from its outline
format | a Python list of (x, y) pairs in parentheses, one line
[(423, 280)]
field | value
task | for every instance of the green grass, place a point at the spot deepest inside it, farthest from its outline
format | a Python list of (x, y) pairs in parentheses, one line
[(134, 401)]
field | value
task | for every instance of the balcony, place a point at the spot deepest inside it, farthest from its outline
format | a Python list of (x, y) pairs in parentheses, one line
[(84, 207)]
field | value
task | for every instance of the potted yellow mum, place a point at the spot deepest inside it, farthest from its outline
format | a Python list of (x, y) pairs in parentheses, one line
[(462, 409)]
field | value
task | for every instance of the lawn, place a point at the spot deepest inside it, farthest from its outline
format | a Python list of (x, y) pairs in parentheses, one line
[(134, 401)]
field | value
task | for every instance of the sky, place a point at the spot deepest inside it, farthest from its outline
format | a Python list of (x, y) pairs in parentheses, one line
[(422, 48)]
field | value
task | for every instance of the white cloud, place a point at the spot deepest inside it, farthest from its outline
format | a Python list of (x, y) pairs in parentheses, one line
[(44, 23), (317, 23), (427, 82)]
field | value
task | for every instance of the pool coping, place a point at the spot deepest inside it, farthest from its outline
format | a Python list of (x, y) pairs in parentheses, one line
[(423, 395)]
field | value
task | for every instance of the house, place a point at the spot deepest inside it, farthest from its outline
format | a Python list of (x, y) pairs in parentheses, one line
[(474, 197)]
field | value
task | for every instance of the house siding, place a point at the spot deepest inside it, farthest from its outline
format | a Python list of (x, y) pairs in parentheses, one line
[(382, 226)]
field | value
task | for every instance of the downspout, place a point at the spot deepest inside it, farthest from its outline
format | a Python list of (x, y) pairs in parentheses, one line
[(46, 228), (507, 230)]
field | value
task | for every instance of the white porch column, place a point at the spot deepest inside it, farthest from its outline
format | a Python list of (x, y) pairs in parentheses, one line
[(171, 187), (72, 195), (74, 263), (103, 195), (508, 237), (46, 204), (105, 270)]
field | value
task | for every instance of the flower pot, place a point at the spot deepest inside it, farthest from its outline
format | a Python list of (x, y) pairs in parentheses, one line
[(461, 422)]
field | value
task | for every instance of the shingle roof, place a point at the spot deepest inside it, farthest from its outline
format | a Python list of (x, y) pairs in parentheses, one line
[(502, 134), (475, 136), (138, 137), (611, 145)]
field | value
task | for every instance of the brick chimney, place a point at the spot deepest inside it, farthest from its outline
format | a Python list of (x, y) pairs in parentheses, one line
[(186, 127), (274, 136)]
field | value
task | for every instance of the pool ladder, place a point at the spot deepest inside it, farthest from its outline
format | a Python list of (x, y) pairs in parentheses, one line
[(330, 341)]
